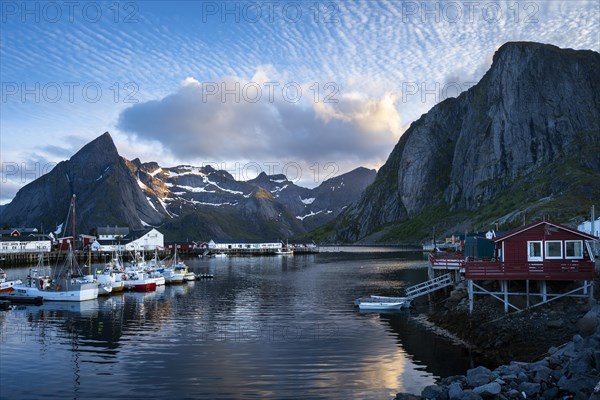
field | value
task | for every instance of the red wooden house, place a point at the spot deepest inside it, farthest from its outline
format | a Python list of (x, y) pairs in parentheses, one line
[(539, 252), (534, 254), (542, 251)]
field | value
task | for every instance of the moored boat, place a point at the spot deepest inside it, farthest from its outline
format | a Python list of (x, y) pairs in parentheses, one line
[(5, 284), (60, 288), (382, 303), (139, 281)]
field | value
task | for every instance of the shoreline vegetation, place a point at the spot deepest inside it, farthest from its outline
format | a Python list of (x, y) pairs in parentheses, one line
[(548, 352)]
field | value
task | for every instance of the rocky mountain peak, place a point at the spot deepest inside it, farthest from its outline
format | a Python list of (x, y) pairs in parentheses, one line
[(536, 105)]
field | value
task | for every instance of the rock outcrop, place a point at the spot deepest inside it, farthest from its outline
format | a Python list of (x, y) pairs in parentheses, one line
[(537, 107), (571, 371)]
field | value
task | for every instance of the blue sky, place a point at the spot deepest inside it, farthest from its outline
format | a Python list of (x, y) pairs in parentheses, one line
[(326, 86)]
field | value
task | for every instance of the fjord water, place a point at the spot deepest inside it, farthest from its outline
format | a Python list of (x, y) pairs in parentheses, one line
[(265, 327)]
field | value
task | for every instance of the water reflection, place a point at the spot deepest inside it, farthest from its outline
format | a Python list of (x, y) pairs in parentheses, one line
[(264, 327)]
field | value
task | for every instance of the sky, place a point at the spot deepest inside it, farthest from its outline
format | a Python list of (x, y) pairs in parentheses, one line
[(311, 89)]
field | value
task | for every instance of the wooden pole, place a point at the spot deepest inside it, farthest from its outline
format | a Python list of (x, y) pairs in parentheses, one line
[(470, 291)]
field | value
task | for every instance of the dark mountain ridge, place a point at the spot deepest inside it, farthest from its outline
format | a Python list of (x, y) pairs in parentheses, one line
[(185, 201)]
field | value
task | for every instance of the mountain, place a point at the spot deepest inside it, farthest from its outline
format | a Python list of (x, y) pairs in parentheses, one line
[(107, 193), (186, 202), (222, 207), (524, 142)]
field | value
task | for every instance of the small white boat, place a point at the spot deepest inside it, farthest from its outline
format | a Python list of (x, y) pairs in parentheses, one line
[(172, 276), (382, 303), (284, 252), (179, 268), (5, 284)]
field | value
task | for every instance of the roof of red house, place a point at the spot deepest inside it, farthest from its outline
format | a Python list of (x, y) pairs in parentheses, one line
[(533, 225)]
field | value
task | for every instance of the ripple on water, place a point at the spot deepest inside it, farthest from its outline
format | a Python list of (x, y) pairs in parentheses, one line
[(264, 327)]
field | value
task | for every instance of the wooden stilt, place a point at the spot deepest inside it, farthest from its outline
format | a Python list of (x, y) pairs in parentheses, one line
[(543, 291), (470, 290), (505, 290)]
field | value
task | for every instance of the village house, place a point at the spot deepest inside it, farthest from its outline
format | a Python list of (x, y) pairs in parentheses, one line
[(27, 244), (219, 245), (529, 257), (112, 232), (145, 239), (18, 232)]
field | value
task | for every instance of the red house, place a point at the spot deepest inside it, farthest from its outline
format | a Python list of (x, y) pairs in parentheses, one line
[(540, 251)]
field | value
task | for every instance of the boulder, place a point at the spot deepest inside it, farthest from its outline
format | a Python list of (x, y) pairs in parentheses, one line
[(479, 376), (434, 392), (555, 323), (490, 389), (578, 384), (541, 373), (588, 324), (550, 394), (454, 391), (469, 395), (529, 388)]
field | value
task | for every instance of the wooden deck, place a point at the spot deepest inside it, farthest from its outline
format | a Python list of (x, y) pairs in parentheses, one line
[(560, 270)]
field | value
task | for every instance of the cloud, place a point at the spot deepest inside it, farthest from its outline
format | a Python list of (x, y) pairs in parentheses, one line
[(263, 118)]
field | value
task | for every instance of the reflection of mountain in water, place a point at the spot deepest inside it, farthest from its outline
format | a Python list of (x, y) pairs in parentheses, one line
[(438, 354)]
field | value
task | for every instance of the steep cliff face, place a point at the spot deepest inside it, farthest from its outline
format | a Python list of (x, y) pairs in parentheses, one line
[(537, 105)]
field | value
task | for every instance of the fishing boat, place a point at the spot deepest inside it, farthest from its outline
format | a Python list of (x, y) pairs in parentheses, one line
[(284, 252), (180, 268), (108, 277), (67, 283), (148, 268), (5, 284), (62, 287), (104, 284), (171, 275), (116, 273), (139, 281)]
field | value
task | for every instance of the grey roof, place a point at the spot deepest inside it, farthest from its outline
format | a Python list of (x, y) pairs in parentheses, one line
[(113, 230)]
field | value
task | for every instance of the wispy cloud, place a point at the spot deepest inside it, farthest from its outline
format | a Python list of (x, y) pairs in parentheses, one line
[(376, 52)]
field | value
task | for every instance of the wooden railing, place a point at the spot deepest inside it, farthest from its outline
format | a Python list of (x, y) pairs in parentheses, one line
[(557, 270), (447, 260)]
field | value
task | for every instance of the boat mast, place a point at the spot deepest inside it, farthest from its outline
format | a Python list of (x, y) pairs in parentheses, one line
[(73, 219)]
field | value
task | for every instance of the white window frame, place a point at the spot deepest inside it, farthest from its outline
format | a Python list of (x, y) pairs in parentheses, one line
[(574, 257), (560, 242), (532, 258)]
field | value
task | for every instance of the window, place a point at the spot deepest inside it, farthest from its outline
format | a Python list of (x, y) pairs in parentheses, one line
[(573, 249), (553, 249), (534, 251)]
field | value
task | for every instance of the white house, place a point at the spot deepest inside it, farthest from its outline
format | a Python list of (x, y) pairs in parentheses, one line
[(587, 227), (112, 232), (251, 245), (25, 245), (148, 239)]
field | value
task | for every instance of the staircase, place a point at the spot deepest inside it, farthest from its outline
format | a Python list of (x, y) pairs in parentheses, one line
[(428, 286)]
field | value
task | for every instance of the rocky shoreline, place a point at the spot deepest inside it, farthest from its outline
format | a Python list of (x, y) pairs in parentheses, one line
[(559, 349)]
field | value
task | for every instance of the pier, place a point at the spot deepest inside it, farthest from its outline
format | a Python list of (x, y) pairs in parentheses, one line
[(54, 257)]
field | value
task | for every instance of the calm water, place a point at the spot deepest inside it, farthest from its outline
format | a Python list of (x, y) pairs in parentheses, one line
[(270, 327)]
